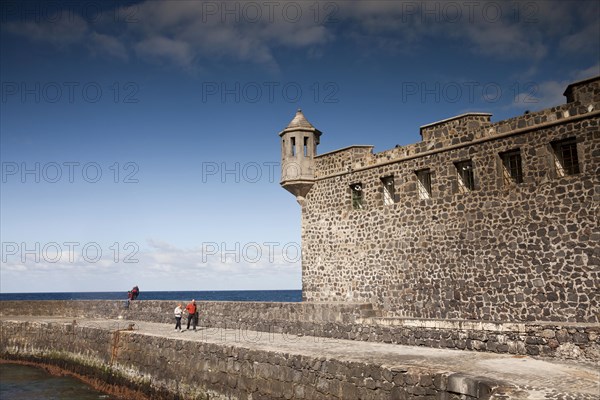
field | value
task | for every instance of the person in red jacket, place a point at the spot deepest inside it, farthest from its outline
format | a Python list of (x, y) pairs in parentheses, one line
[(192, 310)]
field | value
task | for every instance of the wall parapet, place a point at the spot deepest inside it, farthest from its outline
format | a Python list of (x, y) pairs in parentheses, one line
[(561, 340), (584, 91), (206, 370), (458, 126), (583, 99), (328, 166)]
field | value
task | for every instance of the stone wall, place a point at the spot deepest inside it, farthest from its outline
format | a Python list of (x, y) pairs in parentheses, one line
[(343, 159), (501, 252), (455, 130), (250, 313), (168, 368), (583, 91), (345, 321)]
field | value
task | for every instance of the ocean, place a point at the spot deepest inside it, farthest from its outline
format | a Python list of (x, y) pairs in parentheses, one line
[(24, 382), (217, 295), (21, 382)]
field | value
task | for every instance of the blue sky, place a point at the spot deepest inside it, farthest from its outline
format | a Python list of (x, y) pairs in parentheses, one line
[(147, 131)]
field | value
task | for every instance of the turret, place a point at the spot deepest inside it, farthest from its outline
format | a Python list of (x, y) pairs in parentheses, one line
[(299, 142)]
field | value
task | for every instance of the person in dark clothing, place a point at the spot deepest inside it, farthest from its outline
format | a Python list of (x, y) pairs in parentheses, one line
[(192, 314), (135, 292)]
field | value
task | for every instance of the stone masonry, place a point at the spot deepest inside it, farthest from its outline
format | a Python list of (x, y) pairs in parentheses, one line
[(202, 367), (150, 361), (505, 228), (358, 322)]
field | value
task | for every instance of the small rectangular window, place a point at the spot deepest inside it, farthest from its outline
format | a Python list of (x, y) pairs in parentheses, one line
[(305, 146), (466, 178), (357, 196), (389, 192), (424, 183), (293, 141), (511, 167), (566, 160)]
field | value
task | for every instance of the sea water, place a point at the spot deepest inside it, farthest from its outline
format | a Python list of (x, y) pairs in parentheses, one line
[(220, 295), (22, 382)]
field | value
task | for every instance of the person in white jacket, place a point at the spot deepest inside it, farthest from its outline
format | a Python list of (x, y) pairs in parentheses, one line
[(178, 314)]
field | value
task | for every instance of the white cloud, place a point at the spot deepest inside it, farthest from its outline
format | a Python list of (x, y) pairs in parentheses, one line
[(187, 33), (582, 36), (190, 33), (159, 244), (590, 72), (550, 93), (69, 29), (164, 48), (201, 30), (541, 95), (62, 32), (505, 41), (498, 29), (104, 44), (582, 41), (161, 267)]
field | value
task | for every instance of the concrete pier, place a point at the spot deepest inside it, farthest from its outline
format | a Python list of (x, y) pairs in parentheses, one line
[(246, 364)]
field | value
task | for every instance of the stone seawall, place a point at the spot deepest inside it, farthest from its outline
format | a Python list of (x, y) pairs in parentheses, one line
[(184, 368), (346, 321)]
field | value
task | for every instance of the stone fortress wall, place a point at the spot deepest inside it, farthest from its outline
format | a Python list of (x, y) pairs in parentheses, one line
[(499, 252)]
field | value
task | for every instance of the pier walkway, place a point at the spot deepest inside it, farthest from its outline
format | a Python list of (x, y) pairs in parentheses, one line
[(514, 377)]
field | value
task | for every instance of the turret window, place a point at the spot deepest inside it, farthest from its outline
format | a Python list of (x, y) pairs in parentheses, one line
[(293, 142), (305, 146), (357, 196)]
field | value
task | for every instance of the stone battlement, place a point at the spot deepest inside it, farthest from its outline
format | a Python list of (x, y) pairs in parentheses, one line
[(583, 100)]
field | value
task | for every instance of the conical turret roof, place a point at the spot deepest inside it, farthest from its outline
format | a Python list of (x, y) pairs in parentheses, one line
[(299, 122)]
